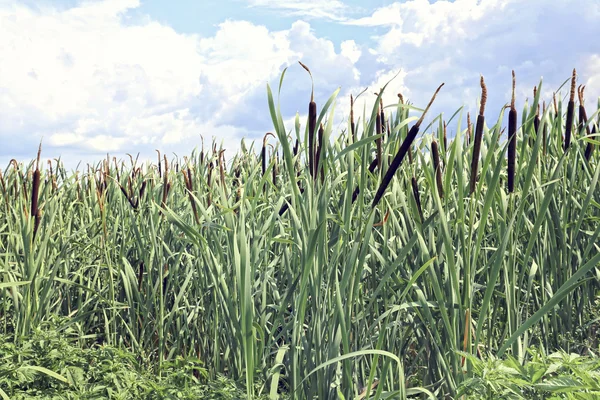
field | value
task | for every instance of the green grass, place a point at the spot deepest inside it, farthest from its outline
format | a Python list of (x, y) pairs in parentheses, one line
[(295, 288)]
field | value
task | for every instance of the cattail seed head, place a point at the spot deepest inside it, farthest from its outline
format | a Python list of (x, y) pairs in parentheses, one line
[(483, 96), (512, 138), (570, 112), (352, 126), (477, 139)]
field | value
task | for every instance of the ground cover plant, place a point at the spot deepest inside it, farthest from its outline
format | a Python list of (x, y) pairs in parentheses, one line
[(390, 260)]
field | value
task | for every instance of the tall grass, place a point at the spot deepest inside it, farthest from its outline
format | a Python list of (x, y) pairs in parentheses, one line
[(357, 284)]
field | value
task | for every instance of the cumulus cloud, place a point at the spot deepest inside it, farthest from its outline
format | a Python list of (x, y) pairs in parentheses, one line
[(327, 9), (455, 42), (90, 83)]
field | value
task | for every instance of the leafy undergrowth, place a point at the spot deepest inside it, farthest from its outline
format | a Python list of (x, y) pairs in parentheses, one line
[(48, 365), (559, 375)]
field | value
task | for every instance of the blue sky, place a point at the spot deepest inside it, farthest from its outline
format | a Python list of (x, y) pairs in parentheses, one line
[(131, 76)]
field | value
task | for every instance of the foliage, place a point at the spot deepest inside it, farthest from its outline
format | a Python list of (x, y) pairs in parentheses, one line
[(50, 365), (334, 263), (559, 375)]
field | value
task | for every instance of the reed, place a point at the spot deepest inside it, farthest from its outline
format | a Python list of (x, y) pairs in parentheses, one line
[(478, 136), (312, 127), (583, 119), (437, 168), (512, 138), (570, 112), (352, 125), (412, 134), (417, 197), (304, 293), (35, 189)]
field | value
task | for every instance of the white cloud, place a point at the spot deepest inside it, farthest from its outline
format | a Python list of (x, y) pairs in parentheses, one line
[(455, 42), (350, 50), (89, 83), (327, 9)]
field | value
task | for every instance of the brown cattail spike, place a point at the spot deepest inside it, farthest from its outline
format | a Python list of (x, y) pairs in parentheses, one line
[(318, 155), (570, 112), (352, 126), (378, 142), (512, 138), (483, 96), (478, 137), (35, 212), (536, 119), (544, 132), (445, 137), (382, 112)]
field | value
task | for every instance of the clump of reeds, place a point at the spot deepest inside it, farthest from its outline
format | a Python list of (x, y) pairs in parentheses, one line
[(412, 134), (478, 137), (512, 138)]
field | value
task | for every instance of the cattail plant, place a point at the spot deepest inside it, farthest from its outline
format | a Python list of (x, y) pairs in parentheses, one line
[(536, 119), (166, 184), (583, 122), (478, 137), (417, 196), (512, 138), (189, 185), (570, 112), (412, 134), (545, 130), (159, 166), (275, 167), (352, 126), (35, 189), (312, 126), (319, 156), (437, 167), (445, 149), (382, 115), (378, 142)]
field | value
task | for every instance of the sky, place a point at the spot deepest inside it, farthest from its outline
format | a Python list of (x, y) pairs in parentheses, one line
[(87, 78)]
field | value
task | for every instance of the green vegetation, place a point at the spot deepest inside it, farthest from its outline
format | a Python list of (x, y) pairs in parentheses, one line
[(50, 365), (412, 265)]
